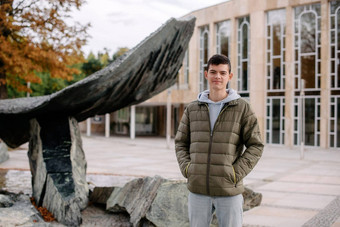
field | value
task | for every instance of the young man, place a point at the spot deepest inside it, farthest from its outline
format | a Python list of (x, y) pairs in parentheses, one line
[(210, 148)]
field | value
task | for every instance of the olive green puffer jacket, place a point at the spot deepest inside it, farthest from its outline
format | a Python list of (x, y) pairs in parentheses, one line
[(215, 162)]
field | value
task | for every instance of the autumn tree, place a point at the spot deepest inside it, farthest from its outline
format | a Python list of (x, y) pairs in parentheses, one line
[(35, 37), (94, 63)]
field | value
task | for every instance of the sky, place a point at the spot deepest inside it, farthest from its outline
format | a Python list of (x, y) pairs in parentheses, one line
[(125, 23)]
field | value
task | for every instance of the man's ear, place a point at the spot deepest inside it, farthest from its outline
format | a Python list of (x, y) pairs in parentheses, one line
[(231, 75), (205, 74)]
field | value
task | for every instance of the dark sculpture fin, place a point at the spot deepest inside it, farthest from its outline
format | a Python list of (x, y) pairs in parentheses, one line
[(146, 70)]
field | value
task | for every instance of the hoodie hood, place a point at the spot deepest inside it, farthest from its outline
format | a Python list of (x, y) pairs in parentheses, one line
[(204, 97), (216, 107)]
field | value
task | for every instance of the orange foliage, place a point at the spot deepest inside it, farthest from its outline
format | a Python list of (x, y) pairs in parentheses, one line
[(34, 37), (48, 216)]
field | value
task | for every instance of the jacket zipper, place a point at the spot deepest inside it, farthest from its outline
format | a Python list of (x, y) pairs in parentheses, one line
[(210, 144), (208, 167)]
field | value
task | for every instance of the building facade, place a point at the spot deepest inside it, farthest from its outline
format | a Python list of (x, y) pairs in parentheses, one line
[(285, 57)]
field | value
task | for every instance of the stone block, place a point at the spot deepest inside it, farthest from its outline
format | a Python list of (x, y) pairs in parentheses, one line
[(58, 181), (18, 211), (170, 206), (160, 202), (251, 199), (135, 198)]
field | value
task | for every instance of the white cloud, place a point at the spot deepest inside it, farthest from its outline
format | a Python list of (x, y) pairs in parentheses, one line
[(125, 23)]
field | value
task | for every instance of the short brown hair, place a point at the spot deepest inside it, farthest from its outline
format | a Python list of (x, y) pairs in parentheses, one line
[(219, 59)]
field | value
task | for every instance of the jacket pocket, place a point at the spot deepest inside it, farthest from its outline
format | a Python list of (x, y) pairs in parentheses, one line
[(187, 169), (234, 175), (230, 175)]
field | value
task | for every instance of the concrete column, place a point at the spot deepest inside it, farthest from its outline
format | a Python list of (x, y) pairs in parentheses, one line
[(325, 75), (257, 68), (289, 95), (107, 125), (88, 126), (168, 119), (133, 122)]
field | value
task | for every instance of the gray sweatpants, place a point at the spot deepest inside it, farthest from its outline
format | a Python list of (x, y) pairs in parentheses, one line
[(228, 209)]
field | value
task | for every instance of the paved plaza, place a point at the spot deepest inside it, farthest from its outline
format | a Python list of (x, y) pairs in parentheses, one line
[(296, 192)]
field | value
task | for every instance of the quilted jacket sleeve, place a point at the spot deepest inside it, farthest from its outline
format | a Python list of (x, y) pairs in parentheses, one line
[(182, 143), (251, 138)]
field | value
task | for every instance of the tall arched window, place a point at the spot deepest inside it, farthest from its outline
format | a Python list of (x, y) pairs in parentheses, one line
[(223, 30), (275, 66), (307, 63), (243, 45), (204, 55), (334, 118), (276, 35)]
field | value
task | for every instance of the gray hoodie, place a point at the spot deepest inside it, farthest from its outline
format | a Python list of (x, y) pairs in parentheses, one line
[(216, 107)]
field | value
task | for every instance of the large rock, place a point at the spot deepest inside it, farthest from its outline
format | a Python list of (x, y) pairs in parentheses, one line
[(251, 199), (135, 198), (170, 206), (146, 70), (4, 156), (160, 202), (17, 210), (58, 167), (6, 201)]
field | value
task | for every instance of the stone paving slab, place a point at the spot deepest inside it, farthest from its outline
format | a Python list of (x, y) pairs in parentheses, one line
[(18, 159), (16, 181), (302, 188), (296, 200), (307, 178), (276, 216), (97, 216), (294, 190)]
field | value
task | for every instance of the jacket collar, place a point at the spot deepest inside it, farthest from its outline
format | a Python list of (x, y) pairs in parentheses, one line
[(231, 103)]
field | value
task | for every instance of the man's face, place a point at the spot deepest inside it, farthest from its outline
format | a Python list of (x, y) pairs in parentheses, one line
[(218, 76)]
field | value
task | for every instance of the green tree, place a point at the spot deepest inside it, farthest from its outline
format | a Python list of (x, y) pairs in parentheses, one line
[(120, 52), (47, 86), (95, 63), (91, 65)]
